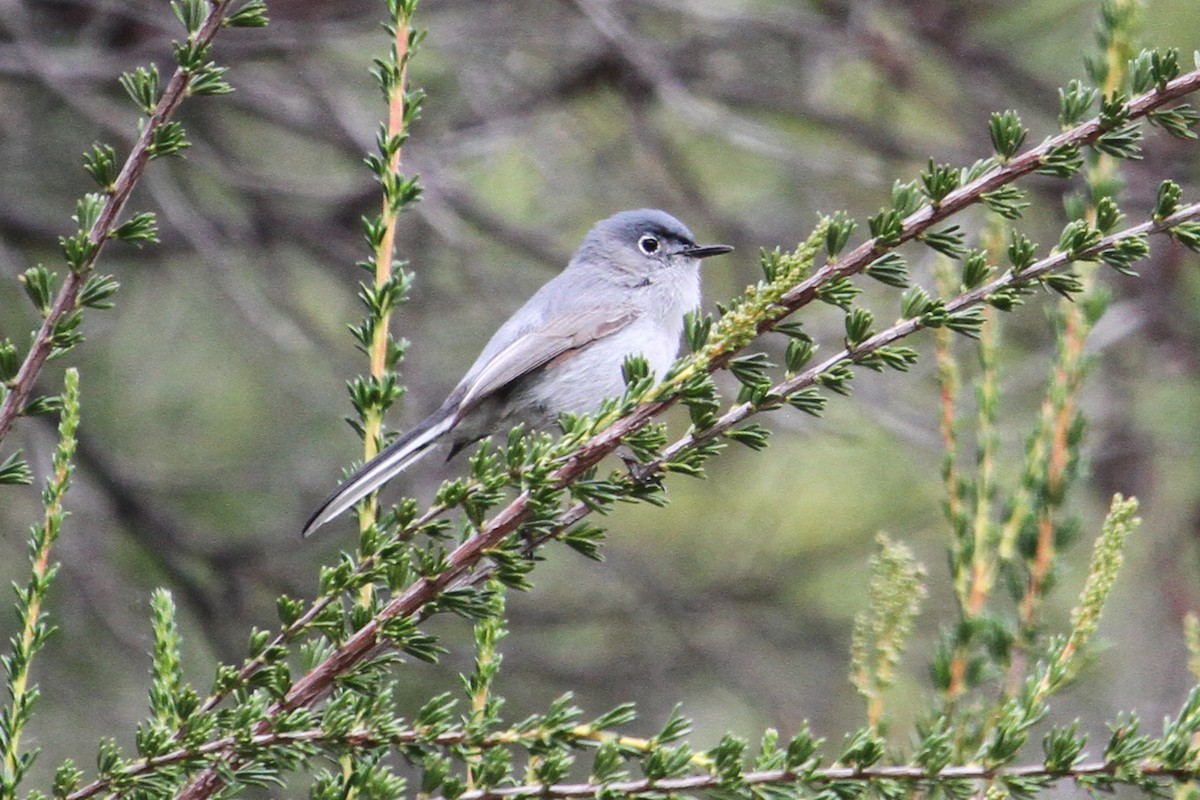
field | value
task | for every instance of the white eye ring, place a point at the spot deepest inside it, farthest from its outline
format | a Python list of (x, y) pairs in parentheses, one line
[(648, 244)]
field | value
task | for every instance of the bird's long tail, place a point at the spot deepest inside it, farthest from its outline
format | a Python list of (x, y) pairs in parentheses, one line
[(409, 447)]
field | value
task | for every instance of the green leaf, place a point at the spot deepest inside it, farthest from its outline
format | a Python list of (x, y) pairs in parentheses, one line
[(10, 361), (1114, 110), (252, 15), (1177, 121), (1187, 234), (1066, 284), (1063, 747), (948, 241), (208, 80), (1007, 134), (809, 401), (771, 263), (890, 269), (886, 227), (750, 370), (898, 357), (15, 470), (968, 322), (42, 404), (837, 378), (142, 227), (915, 302), (1125, 252), (1075, 102), (1164, 67), (67, 778), (584, 539), (858, 326), (699, 395), (78, 249), (39, 285), (635, 369), (189, 12), (88, 210), (168, 139), (1166, 201), (1022, 252), (696, 328), (799, 352), (1077, 238), (939, 180), (142, 87), (191, 54), (65, 333), (1108, 216), (1061, 161), (289, 610), (1140, 76), (838, 228), (1007, 201), (838, 292), (754, 436), (101, 163), (977, 170), (975, 269), (97, 291), (1121, 142), (906, 197)]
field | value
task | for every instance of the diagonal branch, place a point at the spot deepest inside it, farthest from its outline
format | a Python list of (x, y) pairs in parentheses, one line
[(65, 301)]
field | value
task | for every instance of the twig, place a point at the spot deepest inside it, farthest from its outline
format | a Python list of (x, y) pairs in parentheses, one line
[(905, 773), (585, 733), (65, 301), (35, 629), (358, 739)]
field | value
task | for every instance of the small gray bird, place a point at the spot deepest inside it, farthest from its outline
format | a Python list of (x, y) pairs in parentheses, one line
[(624, 293)]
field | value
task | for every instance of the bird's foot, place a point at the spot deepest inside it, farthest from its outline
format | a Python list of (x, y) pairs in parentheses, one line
[(641, 473)]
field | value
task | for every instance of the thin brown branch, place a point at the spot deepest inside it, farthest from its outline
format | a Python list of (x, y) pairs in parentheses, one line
[(587, 733), (354, 738), (692, 783), (65, 301)]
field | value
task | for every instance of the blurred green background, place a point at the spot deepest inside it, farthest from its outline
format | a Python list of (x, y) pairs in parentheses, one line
[(213, 394)]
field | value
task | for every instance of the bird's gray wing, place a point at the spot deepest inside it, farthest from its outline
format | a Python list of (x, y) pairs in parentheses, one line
[(536, 348)]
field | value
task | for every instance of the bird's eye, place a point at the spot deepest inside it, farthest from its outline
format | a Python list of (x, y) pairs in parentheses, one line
[(648, 245)]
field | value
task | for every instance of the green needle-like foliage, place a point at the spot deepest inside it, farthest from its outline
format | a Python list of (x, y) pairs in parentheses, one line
[(35, 625)]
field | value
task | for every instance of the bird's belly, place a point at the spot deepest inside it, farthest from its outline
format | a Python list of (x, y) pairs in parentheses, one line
[(578, 381)]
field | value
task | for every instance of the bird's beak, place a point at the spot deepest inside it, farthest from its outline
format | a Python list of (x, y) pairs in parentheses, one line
[(706, 250)]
